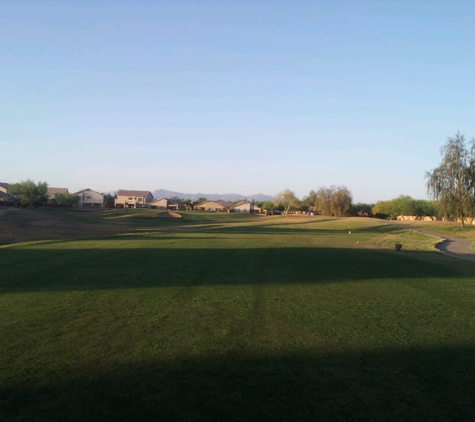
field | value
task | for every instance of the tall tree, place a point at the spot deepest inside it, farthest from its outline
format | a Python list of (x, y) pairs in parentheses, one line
[(287, 199), (32, 194), (452, 184), (67, 199), (341, 200), (267, 206), (332, 201), (109, 199)]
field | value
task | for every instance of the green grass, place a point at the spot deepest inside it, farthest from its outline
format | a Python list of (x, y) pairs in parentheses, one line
[(236, 318), (446, 227)]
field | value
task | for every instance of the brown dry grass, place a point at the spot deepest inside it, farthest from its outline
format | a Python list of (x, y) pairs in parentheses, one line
[(22, 225)]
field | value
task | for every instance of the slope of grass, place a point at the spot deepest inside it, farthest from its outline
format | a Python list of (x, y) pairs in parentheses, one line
[(446, 227), (237, 318)]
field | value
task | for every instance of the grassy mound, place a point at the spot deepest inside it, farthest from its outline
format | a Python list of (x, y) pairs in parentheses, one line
[(169, 214)]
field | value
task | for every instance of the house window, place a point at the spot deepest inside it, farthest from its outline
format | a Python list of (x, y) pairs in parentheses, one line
[(131, 199)]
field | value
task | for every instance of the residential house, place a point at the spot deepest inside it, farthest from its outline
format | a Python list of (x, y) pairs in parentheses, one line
[(4, 187), (167, 204), (133, 199), (5, 197), (89, 198), (52, 192), (217, 206), (246, 206)]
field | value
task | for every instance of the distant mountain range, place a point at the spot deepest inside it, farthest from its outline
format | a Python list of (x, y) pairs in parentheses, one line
[(163, 193)]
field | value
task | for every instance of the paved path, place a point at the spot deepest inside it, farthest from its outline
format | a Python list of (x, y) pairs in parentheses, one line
[(451, 245)]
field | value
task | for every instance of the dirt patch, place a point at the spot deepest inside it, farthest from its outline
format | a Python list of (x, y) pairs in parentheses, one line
[(22, 224), (49, 223), (169, 214)]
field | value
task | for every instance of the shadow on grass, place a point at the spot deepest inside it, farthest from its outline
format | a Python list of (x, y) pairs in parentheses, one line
[(29, 269), (432, 384)]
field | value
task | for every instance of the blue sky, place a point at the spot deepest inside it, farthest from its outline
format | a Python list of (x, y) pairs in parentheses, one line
[(243, 97)]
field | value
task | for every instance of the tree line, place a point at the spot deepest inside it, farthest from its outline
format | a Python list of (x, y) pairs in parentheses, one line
[(331, 201), (451, 187)]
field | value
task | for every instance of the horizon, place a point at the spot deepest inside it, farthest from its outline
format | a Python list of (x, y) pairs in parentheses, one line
[(235, 97)]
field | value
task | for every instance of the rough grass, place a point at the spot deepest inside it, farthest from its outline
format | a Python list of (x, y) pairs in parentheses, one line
[(239, 318), (446, 227)]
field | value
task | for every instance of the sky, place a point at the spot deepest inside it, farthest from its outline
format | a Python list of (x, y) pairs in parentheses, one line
[(234, 96)]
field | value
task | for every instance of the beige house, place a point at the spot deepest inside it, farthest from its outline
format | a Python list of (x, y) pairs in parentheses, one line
[(217, 206), (4, 187), (246, 206), (90, 199), (133, 199), (52, 192), (167, 204)]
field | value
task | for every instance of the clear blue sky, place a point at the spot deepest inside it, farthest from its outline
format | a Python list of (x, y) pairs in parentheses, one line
[(234, 96)]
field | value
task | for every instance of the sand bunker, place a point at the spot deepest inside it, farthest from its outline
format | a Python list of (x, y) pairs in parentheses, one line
[(169, 214)]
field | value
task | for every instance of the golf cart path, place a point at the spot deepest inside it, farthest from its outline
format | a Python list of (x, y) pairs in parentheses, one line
[(453, 246)]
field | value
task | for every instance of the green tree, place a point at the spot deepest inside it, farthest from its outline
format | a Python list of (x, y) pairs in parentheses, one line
[(67, 199), (404, 205), (323, 200), (384, 209), (361, 209), (331, 201), (287, 199), (109, 199), (267, 205), (341, 199), (452, 183), (427, 208), (32, 195)]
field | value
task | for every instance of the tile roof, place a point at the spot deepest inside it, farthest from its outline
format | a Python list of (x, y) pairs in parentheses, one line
[(89, 190), (221, 202), (54, 191), (224, 203), (144, 193), (241, 203)]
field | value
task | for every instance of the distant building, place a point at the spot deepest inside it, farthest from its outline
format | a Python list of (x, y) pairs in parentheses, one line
[(217, 206), (167, 204), (133, 199), (52, 192), (4, 187), (246, 206), (90, 199)]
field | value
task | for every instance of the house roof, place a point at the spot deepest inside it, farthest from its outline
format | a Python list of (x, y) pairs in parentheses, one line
[(88, 190), (241, 203), (224, 203), (4, 185), (3, 195), (221, 202), (169, 201), (123, 192), (54, 191)]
